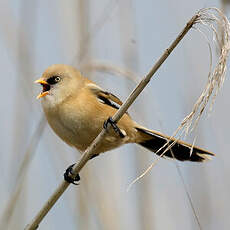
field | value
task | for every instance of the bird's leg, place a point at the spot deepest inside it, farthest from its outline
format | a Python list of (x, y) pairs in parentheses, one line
[(68, 173), (114, 125)]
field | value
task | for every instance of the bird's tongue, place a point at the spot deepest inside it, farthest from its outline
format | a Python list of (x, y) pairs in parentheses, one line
[(45, 90), (46, 87)]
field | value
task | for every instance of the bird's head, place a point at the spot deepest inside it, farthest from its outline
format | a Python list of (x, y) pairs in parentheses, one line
[(58, 82)]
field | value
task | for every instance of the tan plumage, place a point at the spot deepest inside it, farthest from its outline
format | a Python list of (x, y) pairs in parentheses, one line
[(76, 109)]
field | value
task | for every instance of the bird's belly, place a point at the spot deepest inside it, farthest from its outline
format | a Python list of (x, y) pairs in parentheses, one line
[(81, 134), (73, 133), (79, 131)]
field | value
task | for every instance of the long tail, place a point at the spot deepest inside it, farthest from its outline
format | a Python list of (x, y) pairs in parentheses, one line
[(181, 151)]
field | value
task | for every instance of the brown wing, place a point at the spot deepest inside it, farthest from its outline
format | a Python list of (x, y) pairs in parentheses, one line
[(106, 97)]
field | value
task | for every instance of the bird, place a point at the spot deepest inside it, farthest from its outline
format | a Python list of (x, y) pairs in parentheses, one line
[(77, 110)]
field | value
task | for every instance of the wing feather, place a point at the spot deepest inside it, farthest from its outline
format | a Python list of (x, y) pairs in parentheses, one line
[(105, 97)]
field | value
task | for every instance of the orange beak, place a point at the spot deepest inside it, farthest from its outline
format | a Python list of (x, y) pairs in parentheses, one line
[(44, 84)]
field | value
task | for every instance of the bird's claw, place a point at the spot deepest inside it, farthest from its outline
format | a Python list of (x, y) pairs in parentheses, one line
[(68, 176), (114, 125)]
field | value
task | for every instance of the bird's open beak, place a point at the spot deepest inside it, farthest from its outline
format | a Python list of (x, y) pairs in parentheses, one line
[(46, 87)]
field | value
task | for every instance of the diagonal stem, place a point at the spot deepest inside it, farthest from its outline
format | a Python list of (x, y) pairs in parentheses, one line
[(89, 151)]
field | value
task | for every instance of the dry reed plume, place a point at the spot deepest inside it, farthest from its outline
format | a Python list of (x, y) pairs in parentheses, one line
[(213, 19)]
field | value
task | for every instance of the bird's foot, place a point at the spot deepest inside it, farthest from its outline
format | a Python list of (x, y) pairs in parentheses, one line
[(70, 177), (114, 125)]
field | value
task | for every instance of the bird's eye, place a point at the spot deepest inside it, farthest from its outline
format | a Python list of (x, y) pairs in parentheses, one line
[(57, 79), (53, 80)]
